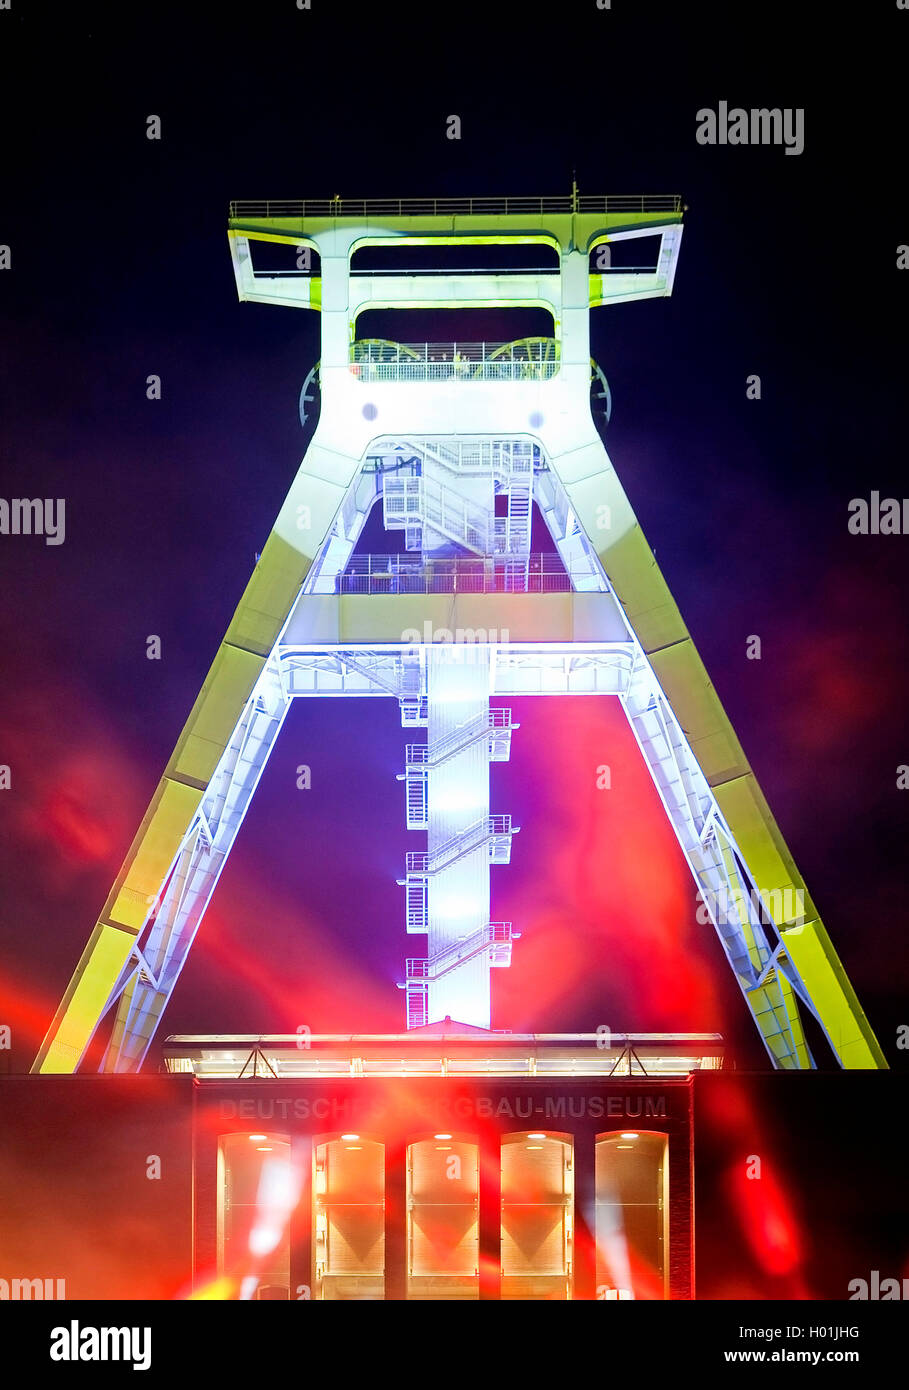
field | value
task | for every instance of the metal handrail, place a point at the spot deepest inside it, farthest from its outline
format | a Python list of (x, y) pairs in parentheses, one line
[(456, 741), (380, 566), (491, 935), (463, 372), (465, 842), (416, 755), (452, 270), (455, 207), (536, 359), (402, 574), (536, 350)]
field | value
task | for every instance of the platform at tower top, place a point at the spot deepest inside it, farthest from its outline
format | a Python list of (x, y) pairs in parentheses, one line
[(572, 219)]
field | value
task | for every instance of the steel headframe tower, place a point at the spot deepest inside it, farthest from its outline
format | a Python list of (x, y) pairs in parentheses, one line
[(438, 432)]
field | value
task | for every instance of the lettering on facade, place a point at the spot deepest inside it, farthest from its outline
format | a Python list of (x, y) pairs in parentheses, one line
[(279, 1108), (522, 1107), (593, 1107)]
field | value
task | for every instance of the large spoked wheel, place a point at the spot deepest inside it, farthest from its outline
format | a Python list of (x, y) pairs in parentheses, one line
[(382, 350), (532, 358), (310, 397), (600, 395)]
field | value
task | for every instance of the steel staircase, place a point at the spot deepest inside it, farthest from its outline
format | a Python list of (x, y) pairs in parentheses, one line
[(413, 501)]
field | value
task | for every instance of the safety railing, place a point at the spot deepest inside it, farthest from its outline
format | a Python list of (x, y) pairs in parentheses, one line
[(495, 937), (417, 501), (489, 829), (501, 457), (457, 739), (456, 207), (531, 360), (416, 755), (403, 574), (374, 271)]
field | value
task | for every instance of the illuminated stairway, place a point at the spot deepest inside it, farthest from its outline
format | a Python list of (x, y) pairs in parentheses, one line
[(420, 505), (449, 495), (447, 885)]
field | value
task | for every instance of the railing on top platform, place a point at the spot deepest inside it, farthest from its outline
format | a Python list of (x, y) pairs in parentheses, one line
[(455, 207), (528, 359)]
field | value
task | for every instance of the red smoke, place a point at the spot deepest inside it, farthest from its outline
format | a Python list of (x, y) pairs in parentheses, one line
[(598, 887)]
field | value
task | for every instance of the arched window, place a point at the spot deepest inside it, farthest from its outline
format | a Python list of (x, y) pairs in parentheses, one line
[(537, 1215), (348, 1218), (443, 1235), (258, 1188), (632, 1215)]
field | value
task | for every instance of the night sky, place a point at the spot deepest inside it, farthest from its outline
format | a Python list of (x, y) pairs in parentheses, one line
[(120, 269)]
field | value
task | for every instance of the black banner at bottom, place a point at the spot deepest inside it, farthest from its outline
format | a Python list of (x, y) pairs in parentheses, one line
[(247, 1342)]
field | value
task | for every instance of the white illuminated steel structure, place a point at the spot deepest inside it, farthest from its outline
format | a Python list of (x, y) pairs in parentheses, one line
[(436, 433)]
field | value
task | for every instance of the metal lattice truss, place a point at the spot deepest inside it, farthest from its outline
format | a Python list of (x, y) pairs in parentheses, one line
[(151, 972), (727, 890)]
